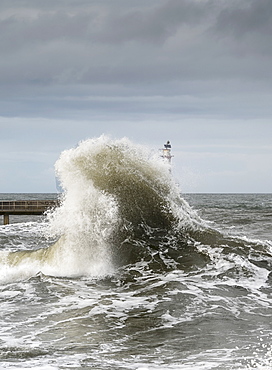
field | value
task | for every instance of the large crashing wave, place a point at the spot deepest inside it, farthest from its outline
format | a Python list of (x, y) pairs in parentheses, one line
[(119, 201), (120, 206)]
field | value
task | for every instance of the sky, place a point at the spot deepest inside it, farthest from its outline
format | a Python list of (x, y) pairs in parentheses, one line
[(195, 72)]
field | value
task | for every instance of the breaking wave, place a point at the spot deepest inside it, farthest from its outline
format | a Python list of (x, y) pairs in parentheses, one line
[(120, 206)]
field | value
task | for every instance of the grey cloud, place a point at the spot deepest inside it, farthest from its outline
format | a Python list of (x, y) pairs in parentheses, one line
[(245, 28), (246, 17), (155, 23), (183, 48), (21, 32)]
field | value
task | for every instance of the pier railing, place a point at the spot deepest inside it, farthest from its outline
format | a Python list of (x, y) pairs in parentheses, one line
[(25, 207)]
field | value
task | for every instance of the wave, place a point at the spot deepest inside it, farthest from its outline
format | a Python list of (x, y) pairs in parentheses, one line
[(121, 205)]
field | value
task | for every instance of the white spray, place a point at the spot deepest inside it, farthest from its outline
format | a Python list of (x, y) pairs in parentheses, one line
[(105, 182)]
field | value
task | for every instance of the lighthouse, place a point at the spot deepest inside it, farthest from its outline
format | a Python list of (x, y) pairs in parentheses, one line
[(166, 152)]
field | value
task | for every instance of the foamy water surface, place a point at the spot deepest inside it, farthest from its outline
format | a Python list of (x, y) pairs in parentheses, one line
[(129, 274)]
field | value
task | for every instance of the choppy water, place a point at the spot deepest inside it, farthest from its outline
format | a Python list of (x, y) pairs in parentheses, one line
[(141, 277)]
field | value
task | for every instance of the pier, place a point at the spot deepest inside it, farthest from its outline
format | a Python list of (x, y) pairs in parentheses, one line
[(25, 207)]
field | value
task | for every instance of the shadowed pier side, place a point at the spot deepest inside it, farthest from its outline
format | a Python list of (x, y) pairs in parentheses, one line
[(25, 207)]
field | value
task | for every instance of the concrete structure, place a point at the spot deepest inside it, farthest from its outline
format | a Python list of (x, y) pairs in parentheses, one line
[(25, 207)]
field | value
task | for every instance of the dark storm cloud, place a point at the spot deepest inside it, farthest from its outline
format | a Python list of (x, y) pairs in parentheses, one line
[(95, 41), (245, 28), (246, 18), (166, 38), (151, 25), (100, 43), (122, 23), (56, 51)]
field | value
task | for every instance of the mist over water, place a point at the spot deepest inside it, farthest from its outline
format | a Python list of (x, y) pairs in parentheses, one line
[(126, 274)]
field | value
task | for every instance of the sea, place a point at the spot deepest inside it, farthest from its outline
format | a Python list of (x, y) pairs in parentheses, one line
[(130, 273)]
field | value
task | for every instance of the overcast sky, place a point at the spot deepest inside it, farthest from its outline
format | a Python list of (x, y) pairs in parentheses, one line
[(196, 72)]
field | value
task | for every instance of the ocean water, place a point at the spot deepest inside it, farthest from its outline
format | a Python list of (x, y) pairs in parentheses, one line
[(130, 273)]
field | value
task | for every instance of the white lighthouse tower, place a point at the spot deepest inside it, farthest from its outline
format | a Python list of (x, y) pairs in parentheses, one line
[(166, 152)]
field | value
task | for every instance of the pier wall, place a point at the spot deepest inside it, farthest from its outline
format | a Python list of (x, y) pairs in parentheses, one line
[(25, 207)]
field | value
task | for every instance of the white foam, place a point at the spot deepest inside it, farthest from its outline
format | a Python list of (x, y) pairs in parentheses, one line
[(92, 207)]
